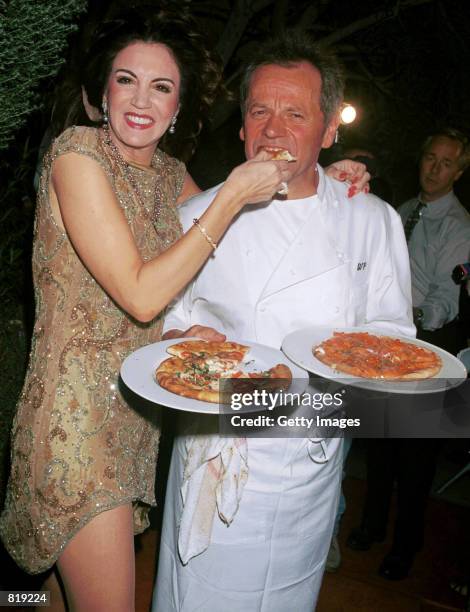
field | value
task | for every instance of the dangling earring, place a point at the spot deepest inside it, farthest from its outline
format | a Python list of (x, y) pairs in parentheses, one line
[(105, 111), (337, 137), (172, 128)]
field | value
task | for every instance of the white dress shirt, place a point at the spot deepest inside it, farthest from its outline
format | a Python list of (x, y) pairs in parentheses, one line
[(440, 241)]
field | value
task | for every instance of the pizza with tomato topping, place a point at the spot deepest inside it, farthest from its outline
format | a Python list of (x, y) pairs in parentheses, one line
[(196, 368), (380, 357)]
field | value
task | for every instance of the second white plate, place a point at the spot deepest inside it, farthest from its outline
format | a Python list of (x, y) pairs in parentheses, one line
[(298, 347)]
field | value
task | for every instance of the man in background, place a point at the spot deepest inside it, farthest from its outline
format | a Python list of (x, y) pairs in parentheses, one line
[(437, 229)]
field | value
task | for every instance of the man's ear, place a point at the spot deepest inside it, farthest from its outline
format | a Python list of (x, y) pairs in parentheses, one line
[(241, 133), (458, 175), (93, 113), (330, 132)]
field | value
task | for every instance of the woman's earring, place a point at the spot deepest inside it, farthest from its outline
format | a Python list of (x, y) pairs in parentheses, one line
[(172, 128), (105, 111), (337, 137)]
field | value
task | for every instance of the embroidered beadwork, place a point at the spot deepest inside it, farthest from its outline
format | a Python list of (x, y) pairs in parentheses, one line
[(77, 447)]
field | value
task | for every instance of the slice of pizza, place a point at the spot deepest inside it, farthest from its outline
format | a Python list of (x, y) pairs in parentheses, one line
[(189, 378), (204, 348), (283, 155)]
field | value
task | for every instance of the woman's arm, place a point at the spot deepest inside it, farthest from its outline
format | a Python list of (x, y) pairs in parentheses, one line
[(86, 206), (189, 189)]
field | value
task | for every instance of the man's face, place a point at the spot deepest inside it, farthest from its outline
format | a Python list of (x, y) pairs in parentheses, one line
[(283, 113), (439, 167)]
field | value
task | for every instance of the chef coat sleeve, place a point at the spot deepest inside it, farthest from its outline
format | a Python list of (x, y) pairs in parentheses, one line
[(389, 304), (178, 315)]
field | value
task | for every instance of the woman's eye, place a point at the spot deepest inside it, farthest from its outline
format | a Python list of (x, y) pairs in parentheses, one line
[(123, 80), (163, 88)]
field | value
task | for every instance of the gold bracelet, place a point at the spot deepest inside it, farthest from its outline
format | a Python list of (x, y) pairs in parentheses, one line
[(203, 231)]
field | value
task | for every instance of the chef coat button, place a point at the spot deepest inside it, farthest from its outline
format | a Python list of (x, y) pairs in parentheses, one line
[(262, 309), (248, 251), (292, 272), (337, 309)]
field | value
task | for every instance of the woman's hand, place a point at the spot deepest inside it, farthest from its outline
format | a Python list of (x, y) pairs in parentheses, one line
[(257, 179), (352, 172)]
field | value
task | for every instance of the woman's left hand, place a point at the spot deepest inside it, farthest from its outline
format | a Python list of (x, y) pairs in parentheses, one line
[(352, 172)]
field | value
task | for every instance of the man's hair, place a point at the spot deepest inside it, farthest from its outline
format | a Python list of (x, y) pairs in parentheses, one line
[(294, 47), (457, 136)]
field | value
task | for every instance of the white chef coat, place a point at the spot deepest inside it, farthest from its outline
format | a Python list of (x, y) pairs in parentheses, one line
[(281, 266)]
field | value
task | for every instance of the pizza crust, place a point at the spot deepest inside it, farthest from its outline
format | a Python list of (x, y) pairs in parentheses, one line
[(227, 350)]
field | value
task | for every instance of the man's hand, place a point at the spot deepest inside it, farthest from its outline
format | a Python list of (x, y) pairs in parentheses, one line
[(418, 315), (195, 331), (351, 171)]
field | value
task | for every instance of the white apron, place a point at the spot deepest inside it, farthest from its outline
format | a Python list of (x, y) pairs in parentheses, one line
[(271, 558)]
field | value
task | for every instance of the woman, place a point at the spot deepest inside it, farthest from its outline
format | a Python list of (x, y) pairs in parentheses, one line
[(104, 271)]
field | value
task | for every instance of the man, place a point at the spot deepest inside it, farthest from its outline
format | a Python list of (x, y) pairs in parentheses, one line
[(248, 522), (438, 233), (437, 228)]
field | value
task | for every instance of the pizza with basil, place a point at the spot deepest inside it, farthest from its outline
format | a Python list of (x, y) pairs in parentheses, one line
[(196, 368), (206, 348), (380, 357)]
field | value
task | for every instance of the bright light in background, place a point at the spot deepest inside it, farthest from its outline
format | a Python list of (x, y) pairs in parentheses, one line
[(348, 113)]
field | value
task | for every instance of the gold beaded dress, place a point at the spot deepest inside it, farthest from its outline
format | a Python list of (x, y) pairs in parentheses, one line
[(77, 447)]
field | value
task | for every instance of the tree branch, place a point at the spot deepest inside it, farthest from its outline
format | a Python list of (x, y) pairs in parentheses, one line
[(236, 25), (311, 14), (367, 22)]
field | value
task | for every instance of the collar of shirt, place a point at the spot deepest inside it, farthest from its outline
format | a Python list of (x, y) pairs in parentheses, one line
[(437, 208), (321, 188)]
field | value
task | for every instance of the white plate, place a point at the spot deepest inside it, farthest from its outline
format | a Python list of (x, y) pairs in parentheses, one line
[(298, 347), (138, 373)]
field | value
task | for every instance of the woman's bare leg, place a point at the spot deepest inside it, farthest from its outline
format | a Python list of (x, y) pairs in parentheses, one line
[(97, 567), (57, 597)]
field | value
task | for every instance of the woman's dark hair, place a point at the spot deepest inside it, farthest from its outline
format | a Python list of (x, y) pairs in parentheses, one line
[(200, 74)]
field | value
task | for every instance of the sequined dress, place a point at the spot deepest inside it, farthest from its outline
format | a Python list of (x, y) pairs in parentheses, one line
[(77, 447)]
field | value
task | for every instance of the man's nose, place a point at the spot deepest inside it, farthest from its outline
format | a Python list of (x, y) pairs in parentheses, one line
[(274, 126)]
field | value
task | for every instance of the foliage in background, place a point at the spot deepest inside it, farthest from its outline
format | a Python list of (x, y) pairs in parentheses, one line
[(33, 41), (16, 303), (33, 37)]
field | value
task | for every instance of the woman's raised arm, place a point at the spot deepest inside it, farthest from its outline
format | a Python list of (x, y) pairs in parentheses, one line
[(85, 205)]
